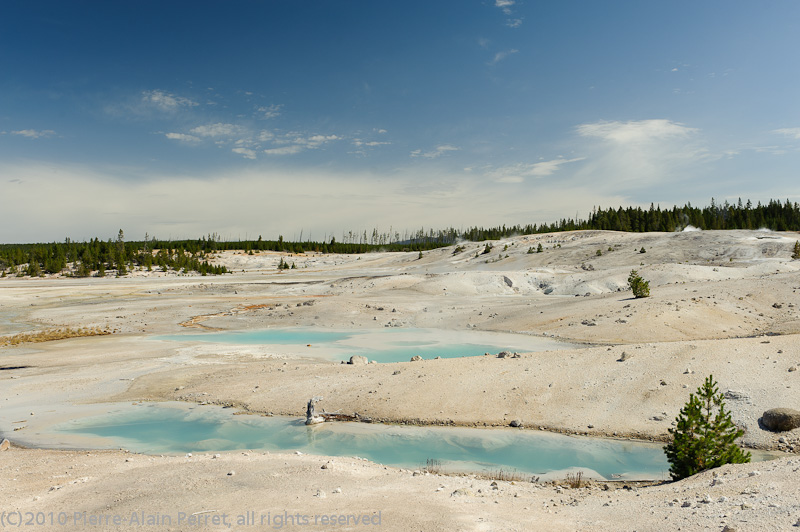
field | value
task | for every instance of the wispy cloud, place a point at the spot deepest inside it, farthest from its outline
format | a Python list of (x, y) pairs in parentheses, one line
[(284, 150), (633, 132), (499, 56), (639, 153), (436, 152), (34, 133), (517, 173), (270, 111), (793, 132), (166, 101), (245, 152), (293, 143), (183, 137), (216, 130), (505, 6)]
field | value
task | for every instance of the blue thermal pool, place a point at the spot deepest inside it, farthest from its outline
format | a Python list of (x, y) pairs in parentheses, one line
[(381, 345), (171, 428)]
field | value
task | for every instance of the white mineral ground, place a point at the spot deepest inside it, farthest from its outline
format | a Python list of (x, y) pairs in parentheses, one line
[(722, 302)]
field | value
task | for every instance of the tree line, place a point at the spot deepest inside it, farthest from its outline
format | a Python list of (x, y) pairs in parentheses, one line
[(96, 256)]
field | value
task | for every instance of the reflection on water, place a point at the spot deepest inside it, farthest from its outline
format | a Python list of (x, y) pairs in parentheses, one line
[(381, 345), (178, 428)]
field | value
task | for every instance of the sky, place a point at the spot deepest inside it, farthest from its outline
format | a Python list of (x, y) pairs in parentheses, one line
[(256, 118)]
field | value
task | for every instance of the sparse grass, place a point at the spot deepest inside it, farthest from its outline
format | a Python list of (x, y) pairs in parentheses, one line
[(575, 481), (433, 466), (50, 335), (509, 476)]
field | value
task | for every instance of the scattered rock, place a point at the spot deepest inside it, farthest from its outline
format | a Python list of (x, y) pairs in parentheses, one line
[(503, 354), (320, 494), (516, 423), (625, 356), (462, 492), (358, 359), (781, 419), (416, 358), (396, 372), (231, 473), (793, 368), (5, 445)]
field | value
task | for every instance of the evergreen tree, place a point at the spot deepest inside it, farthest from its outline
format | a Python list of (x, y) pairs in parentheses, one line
[(796, 251), (120, 252), (705, 435), (639, 286)]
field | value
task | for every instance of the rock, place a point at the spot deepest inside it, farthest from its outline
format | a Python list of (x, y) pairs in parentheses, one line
[(416, 358), (734, 395), (793, 368), (782, 440), (311, 415), (462, 492), (625, 356), (728, 528), (503, 354), (516, 423), (396, 372), (358, 359), (321, 494), (5, 445), (231, 473), (781, 419)]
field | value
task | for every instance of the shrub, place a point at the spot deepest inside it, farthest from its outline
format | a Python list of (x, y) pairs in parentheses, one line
[(639, 286), (705, 435)]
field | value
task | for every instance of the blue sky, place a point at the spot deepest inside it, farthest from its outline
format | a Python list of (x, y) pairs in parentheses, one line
[(248, 118)]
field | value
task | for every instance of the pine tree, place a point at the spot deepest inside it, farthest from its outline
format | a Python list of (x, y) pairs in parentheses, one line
[(796, 251), (639, 286), (705, 435)]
